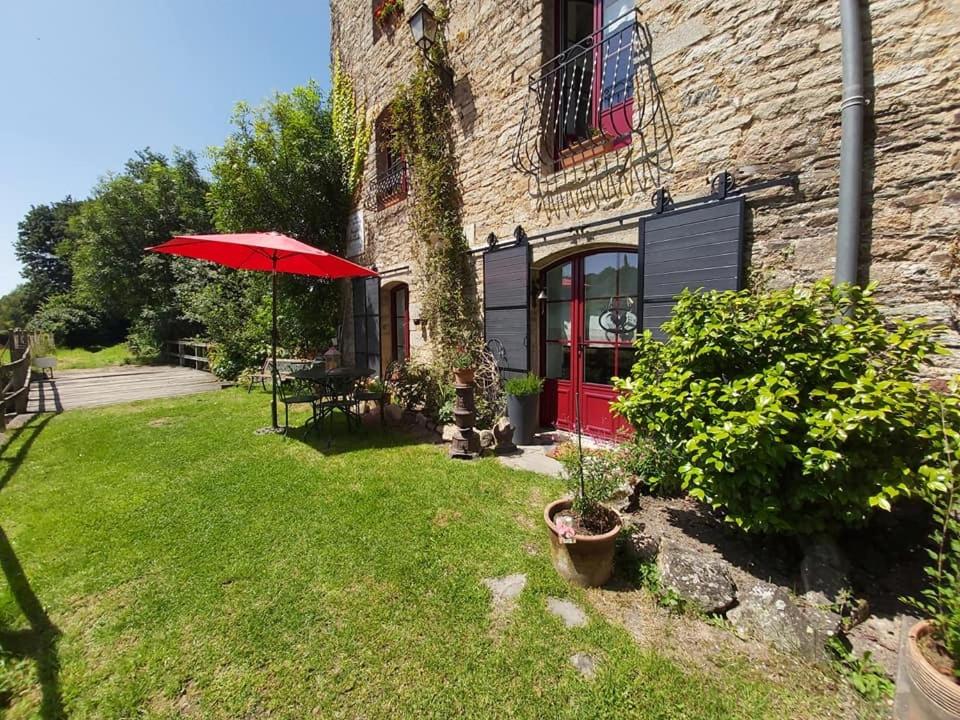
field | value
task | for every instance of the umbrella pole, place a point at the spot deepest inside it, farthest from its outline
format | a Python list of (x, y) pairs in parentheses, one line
[(276, 375)]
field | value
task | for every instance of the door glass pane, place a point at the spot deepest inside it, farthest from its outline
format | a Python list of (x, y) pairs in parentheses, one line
[(625, 360), (558, 361), (598, 365), (558, 321), (629, 274), (400, 302), (560, 282), (610, 319), (600, 275)]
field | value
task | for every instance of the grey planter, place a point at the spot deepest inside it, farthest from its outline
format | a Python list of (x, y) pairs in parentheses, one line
[(524, 413)]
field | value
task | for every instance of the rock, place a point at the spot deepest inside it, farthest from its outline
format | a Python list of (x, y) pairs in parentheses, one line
[(487, 440), (422, 420), (824, 574), (505, 590), (585, 663), (769, 613), (568, 611), (699, 579), (643, 547), (448, 432), (393, 414), (503, 432)]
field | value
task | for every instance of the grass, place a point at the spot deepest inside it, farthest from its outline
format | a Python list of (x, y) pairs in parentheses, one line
[(82, 358), (163, 561)]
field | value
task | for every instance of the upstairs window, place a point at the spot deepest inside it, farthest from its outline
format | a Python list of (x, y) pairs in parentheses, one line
[(582, 102), (390, 185)]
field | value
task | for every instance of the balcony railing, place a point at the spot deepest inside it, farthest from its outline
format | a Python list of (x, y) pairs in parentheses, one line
[(590, 99), (389, 187)]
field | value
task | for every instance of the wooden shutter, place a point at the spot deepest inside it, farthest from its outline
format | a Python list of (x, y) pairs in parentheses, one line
[(366, 323), (697, 248), (506, 310)]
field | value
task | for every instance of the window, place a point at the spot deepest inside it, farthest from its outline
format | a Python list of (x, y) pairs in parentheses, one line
[(400, 322), (390, 186)]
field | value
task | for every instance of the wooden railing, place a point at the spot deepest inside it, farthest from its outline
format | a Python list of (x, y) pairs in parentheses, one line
[(14, 376), (189, 353)]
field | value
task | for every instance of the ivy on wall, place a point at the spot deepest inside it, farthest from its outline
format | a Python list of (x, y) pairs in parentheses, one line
[(351, 129), (423, 124)]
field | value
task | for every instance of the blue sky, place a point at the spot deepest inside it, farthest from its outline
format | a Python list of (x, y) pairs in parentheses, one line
[(85, 84)]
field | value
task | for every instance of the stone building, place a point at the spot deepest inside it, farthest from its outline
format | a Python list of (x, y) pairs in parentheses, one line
[(570, 115)]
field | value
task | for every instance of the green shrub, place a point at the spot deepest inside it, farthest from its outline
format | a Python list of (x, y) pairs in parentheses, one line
[(528, 384), (940, 601), (592, 477), (793, 410)]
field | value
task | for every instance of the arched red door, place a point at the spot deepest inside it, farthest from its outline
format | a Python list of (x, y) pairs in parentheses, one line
[(588, 323)]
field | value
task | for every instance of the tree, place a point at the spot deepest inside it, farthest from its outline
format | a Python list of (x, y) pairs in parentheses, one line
[(281, 170), (40, 248), (13, 308), (150, 201)]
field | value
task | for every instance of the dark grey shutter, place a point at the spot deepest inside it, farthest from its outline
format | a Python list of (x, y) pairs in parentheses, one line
[(697, 248), (506, 310), (366, 323)]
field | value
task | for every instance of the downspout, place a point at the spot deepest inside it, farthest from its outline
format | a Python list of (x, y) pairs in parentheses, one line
[(851, 144)]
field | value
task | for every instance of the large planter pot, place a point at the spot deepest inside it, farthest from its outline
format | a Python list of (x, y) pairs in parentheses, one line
[(464, 376), (524, 413), (933, 696), (588, 561)]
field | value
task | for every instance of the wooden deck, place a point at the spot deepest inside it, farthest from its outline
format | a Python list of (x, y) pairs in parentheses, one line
[(73, 389)]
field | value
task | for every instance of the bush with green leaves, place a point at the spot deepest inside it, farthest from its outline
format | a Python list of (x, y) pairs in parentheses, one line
[(940, 601), (524, 385), (794, 411)]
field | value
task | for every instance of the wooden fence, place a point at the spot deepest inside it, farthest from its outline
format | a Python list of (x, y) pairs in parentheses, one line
[(15, 374), (189, 353)]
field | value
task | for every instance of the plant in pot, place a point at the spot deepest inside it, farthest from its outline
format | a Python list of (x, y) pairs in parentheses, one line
[(464, 360), (388, 12), (933, 645), (523, 406), (583, 531)]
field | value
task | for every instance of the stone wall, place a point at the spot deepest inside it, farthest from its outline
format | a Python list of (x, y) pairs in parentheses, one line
[(752, 88)]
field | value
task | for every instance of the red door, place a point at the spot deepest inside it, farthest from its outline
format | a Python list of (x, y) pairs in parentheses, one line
[(588, 324)]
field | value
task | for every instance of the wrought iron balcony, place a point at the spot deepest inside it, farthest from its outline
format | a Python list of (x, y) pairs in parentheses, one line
[(389, 187), (590, 99)]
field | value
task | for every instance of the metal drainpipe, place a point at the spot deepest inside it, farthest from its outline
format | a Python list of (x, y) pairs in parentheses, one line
[(851, 144)]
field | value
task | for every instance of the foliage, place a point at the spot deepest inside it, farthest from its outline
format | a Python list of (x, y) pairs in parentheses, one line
[(779, 401), (74, 323), (423, 132), (528, 384), (419, 387), (656, 466), (387, 11), (940, 602), (14, 312), (77, 358), (41, 237), (592, 477), (153, 199), (351, 129), (279, 170), (465, 356), (865, 674)]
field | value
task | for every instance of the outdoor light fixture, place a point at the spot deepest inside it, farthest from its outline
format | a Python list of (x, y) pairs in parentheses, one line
[(543, 297), (423, 25)]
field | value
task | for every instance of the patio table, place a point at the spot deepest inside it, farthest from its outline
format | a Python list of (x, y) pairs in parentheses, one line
[(335, 390)]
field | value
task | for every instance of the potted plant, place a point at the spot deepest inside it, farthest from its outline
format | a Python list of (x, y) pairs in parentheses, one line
[(464, 361), (388, 11), (523, 406), (583, 531), (933, 644)]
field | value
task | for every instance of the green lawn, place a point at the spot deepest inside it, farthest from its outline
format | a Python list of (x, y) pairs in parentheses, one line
[(81, 358), (163, 561)]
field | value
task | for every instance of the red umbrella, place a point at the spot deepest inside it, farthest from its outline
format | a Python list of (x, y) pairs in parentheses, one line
[(269, 252)]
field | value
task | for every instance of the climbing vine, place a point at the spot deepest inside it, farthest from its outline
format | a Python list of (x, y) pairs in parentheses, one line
[(351, 129), (423, 124)]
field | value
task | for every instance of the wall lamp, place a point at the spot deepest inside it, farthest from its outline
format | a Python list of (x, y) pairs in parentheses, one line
[(426, 32)]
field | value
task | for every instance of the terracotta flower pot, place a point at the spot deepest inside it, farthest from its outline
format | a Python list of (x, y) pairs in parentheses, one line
[(587, 562), (464, 376), (933, 695)]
